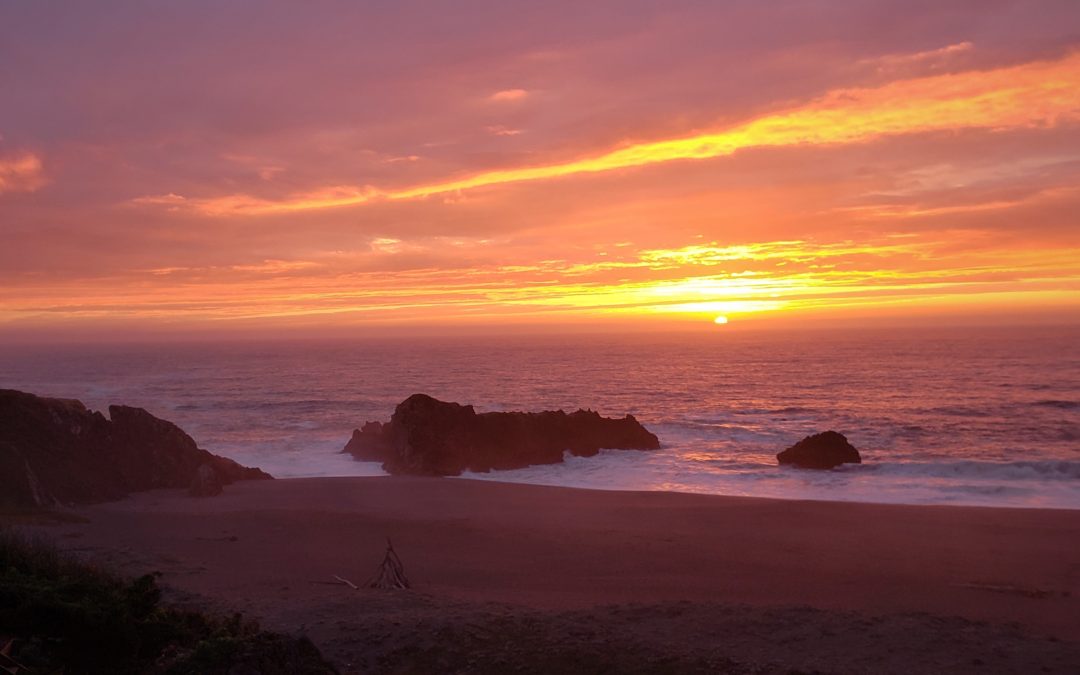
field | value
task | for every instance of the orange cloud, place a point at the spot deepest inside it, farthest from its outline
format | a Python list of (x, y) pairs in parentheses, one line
[(170, 199), (508, 95), (1029, 95), (24, 172)]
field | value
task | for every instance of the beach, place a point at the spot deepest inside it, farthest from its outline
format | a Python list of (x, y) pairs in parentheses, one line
[(553, 578)]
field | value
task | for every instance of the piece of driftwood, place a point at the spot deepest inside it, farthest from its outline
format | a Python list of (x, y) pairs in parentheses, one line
[(391, 573), (338, 581)]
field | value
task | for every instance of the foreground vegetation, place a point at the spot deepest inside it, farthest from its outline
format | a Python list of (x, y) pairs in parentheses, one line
[(58, 614)]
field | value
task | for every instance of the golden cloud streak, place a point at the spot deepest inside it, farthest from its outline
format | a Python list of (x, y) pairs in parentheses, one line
[(756, 278), (1029, 95)]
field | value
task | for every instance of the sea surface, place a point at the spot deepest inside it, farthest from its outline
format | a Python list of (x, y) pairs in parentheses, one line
[(964, 416)]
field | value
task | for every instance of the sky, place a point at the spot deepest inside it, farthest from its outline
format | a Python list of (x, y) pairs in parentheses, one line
[(340, 167)]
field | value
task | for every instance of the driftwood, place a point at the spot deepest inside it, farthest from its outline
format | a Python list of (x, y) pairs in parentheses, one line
[(391, 573), (338, 581)]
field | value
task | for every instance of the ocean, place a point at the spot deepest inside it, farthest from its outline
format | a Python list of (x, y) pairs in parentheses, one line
[(987, 417)]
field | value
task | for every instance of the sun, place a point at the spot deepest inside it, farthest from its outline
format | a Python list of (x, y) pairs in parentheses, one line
[(720, 320)]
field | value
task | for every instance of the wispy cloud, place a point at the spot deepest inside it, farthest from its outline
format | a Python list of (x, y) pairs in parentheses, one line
[(931, 58), (500, 130), (171, 199), (506, 95), (1029, 95)]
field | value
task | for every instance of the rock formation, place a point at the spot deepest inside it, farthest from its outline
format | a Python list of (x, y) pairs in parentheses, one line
[(826, 450), (55, 451), (206, 482), (426, 436)]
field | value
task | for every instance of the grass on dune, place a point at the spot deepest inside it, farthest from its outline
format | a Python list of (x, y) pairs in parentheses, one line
[(59, 614)]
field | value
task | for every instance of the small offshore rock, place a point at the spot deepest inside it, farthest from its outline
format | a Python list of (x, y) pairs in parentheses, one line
[(826, 450)]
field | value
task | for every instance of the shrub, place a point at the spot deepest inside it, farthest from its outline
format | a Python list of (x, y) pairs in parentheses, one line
[(73, 616)]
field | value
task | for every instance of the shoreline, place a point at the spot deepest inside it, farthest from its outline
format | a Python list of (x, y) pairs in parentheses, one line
[(702, 493), (504, 551), (1018, 507)]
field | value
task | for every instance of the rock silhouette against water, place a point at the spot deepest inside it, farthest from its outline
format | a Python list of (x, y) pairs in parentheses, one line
[(826, 450), (56, 451), (426, 436)]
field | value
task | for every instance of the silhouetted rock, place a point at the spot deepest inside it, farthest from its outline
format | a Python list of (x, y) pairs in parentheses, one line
[(55, 451), (206, 482), (426, 436), (826, 450), (368, 443)]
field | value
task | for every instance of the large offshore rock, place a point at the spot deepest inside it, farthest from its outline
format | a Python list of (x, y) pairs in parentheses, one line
[(56, 451), (426, 436), (826, 450)]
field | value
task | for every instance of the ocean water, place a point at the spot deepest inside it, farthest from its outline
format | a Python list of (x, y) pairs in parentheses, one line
[(964, 416)]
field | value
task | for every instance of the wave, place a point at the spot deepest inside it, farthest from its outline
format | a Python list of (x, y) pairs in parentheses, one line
[(785, 410), (1054, 403), (959, 411), (1062, 470)]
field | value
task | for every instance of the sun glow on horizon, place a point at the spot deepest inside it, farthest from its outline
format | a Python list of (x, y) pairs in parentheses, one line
[(714, 282)]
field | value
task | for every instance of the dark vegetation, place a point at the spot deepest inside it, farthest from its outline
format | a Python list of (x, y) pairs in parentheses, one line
[(58, 614)]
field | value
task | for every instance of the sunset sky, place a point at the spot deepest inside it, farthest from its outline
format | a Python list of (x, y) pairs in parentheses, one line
[(342, 166)]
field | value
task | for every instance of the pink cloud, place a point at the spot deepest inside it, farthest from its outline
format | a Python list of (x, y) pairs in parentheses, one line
[(508, 95), (23, 172)]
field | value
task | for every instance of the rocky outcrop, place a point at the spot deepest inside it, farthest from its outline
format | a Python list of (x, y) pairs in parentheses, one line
[(369, 444), (206, 482), (56, 451), (826, 450), (426, 436)]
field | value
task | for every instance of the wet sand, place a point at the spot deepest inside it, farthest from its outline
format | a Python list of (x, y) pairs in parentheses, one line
[(508, 576)]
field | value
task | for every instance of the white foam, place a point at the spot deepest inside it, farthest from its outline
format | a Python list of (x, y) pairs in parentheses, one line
[(1021, 484)]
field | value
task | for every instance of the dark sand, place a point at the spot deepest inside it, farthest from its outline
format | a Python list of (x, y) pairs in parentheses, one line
[(517, 578)]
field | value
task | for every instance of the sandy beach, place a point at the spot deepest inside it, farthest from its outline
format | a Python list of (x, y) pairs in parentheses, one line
[(542, 579)]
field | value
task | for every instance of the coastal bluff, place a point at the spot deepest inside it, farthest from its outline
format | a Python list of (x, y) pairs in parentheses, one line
[(429, 437), (57, 452)]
